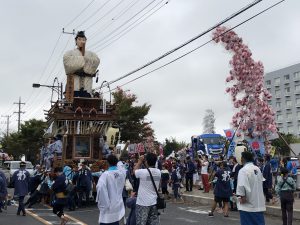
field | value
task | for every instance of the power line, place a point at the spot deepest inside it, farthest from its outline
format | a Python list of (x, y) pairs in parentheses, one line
[(92, 36), (51, 73), (95, 45), (97, 10), (186, 43), (134, 26), (189, 52), (105, 15), (91, 2), (46, 66)]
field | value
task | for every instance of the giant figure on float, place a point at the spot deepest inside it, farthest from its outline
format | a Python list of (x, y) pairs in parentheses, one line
[(80, 66)]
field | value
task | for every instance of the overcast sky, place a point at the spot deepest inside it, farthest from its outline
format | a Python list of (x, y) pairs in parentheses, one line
[(179, 93)]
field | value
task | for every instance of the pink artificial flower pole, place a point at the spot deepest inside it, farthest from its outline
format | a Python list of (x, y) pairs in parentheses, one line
[(249, 96)]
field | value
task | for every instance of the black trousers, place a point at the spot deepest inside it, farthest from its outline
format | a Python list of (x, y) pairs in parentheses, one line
[(189, 183), (268, 194), (83, 191), (21, 205), (58, 209), (287, 201)]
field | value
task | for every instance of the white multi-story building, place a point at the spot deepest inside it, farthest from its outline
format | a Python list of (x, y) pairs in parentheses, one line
[(284, 85)]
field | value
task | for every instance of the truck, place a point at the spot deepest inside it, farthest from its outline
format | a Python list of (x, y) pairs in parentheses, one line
[(210, 144)]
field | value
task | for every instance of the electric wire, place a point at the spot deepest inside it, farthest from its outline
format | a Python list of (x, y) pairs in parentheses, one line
[(44, 90), (91, 2), (116, 29), (202, 45), (184, 44), (93, 35), (126, 30), (97, 10), (93, 24), (46, 66), (189, 52), (127, 26)]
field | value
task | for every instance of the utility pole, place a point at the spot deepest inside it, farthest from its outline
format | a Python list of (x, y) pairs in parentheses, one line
[(19, 113), (7, 124)]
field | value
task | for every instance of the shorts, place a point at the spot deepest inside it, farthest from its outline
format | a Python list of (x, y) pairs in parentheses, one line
[(221, 199)]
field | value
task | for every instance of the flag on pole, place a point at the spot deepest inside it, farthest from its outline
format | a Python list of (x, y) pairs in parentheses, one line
[(229, 133), (257, 146), (231, 149)]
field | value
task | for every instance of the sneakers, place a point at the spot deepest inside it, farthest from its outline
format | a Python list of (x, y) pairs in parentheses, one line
[(210, 214)]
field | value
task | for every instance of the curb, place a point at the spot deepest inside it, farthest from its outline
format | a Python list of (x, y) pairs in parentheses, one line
[(270, 210)]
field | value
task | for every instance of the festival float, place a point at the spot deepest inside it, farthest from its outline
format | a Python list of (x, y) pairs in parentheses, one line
[(254, 119), (83, 119)]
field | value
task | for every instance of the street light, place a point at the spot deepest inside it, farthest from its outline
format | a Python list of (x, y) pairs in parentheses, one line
[(57, 88), (107, 84)]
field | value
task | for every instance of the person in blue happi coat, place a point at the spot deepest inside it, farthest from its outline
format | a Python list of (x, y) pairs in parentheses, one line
[(84, 183), (3, 191), (20, 180), (59, 188)]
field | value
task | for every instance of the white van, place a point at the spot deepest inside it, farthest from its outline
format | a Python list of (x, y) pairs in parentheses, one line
[(12, 166)]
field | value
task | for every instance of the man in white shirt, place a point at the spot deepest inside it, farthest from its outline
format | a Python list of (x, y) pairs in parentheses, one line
[(109, 193), (146, 211), (250, 192)]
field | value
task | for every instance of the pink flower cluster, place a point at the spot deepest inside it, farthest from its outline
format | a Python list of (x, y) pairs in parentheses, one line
[(247, 89)]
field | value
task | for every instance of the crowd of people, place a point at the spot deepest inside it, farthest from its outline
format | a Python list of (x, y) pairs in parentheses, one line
[(132, 183)]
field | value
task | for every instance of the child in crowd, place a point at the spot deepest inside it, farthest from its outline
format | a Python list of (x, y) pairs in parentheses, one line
[(165, 177), (176, 184)]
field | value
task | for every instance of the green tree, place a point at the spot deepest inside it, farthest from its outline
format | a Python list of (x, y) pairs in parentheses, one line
[(281, 146), (172, 144), (27, 141), (131, 117)]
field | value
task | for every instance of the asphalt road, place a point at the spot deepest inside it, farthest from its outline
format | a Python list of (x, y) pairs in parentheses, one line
[(175, 214)]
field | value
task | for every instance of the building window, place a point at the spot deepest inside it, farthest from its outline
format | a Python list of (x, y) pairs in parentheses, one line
[(287, 77), (297, 87), (290, 129), (278, 104), (288, 103), (298, 128), (277, 81), (297, 101), (289, 116), (268, 82), (279, 117), (277, 93), (297, 75), (287, 90), (298, 115)]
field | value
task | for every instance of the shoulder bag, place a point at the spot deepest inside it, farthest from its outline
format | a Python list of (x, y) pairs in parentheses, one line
[(160, 201)]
